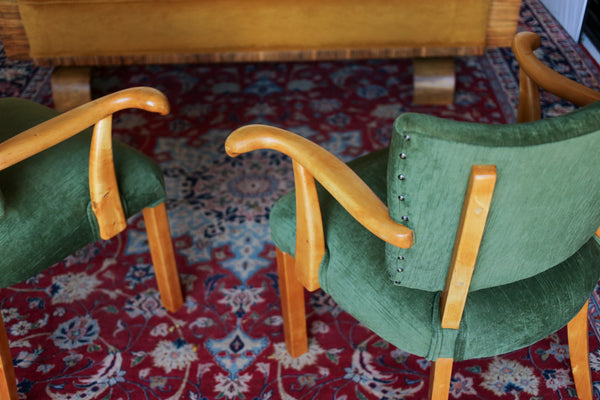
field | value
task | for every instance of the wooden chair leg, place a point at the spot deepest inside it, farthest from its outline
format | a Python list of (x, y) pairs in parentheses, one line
[(292, 306), (439, 379), (8, 381), (70, 87), (163, 257), (577, 331), (434, 81)]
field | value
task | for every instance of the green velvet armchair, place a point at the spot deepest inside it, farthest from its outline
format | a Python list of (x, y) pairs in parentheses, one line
[(63, 186), (459, 241)]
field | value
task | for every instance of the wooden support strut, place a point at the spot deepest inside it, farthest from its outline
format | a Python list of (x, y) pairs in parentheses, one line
[(163, 256), (310, 240), (476, 207), (577, 332), (292, 306), (440, 378), (104, 191)]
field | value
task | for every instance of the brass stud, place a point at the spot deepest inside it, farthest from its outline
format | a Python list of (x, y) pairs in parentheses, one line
[(403, 156), (401, 177)]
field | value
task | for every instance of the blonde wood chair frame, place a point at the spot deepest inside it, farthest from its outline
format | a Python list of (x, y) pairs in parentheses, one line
[(104, 192)]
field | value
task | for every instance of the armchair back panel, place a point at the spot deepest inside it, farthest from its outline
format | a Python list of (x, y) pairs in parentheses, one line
[(545, 205)]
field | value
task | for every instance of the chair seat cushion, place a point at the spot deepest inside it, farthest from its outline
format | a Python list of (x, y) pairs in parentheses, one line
[(47, 213), (496, 320)]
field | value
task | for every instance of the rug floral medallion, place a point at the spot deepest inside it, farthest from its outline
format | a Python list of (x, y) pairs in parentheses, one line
[(92, 326)]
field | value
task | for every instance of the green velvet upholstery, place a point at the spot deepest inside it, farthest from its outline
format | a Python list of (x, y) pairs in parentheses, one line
[(545, 203), (547, 175), (46, 213)]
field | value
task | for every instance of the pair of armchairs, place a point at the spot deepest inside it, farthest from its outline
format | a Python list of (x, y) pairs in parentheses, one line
[(459, 241)]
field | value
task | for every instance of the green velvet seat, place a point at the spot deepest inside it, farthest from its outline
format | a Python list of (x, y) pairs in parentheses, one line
[(51, 167), (46, 211)]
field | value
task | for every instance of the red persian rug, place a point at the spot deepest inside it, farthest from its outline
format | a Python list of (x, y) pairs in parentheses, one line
[(91, 327)]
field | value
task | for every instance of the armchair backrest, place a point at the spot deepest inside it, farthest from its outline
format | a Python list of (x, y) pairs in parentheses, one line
[(546, 203)]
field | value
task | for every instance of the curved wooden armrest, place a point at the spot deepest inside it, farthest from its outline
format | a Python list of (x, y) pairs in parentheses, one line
[(339, 180), (104, 191), (524, 43), (63, 126)]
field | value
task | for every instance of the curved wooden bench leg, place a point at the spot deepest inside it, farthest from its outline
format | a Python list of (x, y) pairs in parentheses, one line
[(8, 381), (577, 331), (70, 87), (434, 81), (163, 257), (440, 378), (292, 306)]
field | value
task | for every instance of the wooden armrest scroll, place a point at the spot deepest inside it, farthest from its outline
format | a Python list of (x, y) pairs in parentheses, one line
[(476, 207), (311, 160), (63, 126), (335, 176), (534, 73), (104, 192)]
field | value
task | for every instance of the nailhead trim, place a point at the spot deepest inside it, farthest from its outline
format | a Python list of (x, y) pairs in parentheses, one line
[(404, 217)]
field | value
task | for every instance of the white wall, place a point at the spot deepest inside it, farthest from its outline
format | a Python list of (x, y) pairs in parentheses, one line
[(569, 13)]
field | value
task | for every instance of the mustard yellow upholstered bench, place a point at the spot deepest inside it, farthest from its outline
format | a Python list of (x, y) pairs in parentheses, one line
[(114, 32)]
